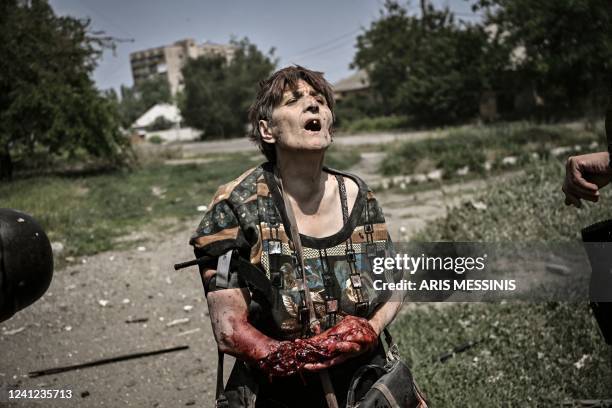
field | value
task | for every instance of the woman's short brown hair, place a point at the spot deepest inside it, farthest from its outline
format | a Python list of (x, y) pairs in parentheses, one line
[(270, 94)]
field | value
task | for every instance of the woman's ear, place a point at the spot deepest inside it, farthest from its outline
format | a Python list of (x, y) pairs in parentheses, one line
[(265, 130)]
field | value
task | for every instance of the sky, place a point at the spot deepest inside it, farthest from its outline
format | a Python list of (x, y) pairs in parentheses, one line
[(318, 34)]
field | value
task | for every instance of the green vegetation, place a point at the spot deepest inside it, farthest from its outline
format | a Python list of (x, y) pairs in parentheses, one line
[(428, 67), (218, 92), (473, 147), (374, 124), (48, 101), (527, 208), (136, 100), (156, 139), (531, 354), (540, 38), (547, 60)]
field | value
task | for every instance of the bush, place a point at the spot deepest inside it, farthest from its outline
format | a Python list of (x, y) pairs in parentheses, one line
[(379, 123), (156, 139), (160, 123)]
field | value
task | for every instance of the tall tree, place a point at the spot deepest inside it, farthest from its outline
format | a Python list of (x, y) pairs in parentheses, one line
[(218, 91), (564, 48), (426, 68), (47, 97)]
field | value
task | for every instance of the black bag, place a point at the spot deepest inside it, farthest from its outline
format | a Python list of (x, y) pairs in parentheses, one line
[(390, 386), (597, 239)]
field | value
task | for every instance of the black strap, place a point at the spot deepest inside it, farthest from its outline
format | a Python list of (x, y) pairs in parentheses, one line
[(388, 338), (219, 391), (343, 198)]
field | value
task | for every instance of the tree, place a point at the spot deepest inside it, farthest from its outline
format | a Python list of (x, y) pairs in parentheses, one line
[(218, 92), (47, 98), (138, 99), (427, 68), (565, 48)]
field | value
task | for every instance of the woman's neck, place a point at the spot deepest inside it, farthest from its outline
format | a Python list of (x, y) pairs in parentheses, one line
[(302, 175)]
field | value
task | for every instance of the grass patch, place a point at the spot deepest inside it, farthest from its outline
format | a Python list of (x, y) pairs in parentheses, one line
[(526, 208), (527, 357), (376, 124), (532, 354), (473, 147)]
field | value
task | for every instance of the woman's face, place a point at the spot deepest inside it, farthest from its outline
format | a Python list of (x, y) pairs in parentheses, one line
[(302, 121)]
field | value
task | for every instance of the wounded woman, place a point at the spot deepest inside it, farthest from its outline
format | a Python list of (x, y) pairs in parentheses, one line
[(287, 310)]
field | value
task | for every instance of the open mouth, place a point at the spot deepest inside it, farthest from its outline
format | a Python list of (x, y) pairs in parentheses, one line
[(313, 125)]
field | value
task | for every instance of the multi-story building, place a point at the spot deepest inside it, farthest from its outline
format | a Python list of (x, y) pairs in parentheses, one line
[(167, 61)]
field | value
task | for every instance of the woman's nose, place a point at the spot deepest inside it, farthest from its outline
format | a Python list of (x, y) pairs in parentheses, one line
[(312, 105)]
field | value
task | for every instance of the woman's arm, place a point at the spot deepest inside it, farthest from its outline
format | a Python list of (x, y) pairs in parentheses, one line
[(228, 309)]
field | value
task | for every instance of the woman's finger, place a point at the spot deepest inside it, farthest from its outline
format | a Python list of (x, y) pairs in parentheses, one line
[(326, 364)]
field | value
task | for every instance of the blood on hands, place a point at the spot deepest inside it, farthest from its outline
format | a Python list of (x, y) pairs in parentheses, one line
[(353, 335)]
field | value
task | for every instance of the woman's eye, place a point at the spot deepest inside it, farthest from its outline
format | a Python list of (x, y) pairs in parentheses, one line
[(290, 101)]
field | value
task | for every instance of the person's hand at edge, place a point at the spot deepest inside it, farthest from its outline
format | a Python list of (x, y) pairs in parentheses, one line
[(585, 175)]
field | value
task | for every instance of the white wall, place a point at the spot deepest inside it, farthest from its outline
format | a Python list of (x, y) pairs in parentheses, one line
[(175, 135)]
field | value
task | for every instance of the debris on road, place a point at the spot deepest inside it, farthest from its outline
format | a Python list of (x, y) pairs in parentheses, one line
[(558, 269), (94, 363), (137, 320), (12, 332), (456, 350), (188, 332), (479, 205), (57, 247), (176, 322)]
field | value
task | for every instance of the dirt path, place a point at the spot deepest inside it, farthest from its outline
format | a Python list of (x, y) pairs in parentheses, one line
[(83, 316)]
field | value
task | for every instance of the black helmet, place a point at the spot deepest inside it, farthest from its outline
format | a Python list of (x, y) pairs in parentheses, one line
[(26, 262)]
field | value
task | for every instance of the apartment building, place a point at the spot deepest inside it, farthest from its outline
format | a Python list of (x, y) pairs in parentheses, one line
[(168, 60)]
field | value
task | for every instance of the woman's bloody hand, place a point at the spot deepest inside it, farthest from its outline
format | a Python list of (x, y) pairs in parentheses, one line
[(352, 336)]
